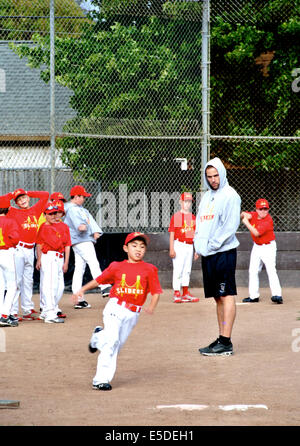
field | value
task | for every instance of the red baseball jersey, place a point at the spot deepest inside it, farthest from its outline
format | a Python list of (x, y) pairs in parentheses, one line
[(53, 237), (183, 226), (9, 232), (27, 219), (131, 282), (265, 227)]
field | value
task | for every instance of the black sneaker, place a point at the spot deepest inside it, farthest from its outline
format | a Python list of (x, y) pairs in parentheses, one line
[(210, 346), (82, 304), (248, 299), (94, 349), (105, 291), (102, 386), (217, 349), (277, 299), (7, 322)]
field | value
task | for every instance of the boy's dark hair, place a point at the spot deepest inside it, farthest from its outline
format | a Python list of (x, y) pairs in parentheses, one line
[(4, 210)]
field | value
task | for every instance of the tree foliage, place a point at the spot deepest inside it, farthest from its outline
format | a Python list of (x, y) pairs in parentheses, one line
[(130, 67)]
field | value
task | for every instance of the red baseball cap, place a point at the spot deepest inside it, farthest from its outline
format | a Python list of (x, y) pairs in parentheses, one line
[(79, 190), (60, 205), (186, 196), (262, 203), (19, 192), (57, 196), (51, 208), (4, 202), (135, 235)]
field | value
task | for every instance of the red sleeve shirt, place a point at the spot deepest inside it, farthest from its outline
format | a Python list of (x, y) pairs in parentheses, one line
[(131, 282), (27, 219), (183, 226), (9, 233), (265, 228), (53, 237)]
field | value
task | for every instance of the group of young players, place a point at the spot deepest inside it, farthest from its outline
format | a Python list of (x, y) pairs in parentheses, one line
[(128, 283), (37, 233)]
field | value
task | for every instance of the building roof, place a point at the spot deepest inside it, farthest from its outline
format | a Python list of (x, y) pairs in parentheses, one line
[(25, 99)]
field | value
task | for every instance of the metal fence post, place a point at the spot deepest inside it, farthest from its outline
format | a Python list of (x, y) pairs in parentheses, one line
[(52, 97), (205, 142)]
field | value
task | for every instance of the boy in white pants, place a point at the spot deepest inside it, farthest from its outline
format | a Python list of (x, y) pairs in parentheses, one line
[(260, 225), (132, 280), (84, 232), (9, 238), (182, 230), (53, 248)]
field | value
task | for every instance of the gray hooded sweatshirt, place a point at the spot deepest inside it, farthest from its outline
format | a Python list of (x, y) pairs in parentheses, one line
[(218, 216), (77, 215)]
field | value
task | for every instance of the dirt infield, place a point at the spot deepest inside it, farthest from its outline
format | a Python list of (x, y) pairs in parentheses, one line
[(161, 378)]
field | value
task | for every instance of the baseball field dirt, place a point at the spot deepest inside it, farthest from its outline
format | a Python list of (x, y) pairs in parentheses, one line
[(161, 378)]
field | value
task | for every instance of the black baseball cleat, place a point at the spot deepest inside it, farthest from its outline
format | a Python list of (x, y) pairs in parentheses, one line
[(82, 304), (248, 299), (277, 299), (94, 349), (102, 386), (105, 291), (216, 348)]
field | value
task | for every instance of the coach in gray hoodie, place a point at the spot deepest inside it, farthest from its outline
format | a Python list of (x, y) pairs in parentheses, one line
[(217, 221)]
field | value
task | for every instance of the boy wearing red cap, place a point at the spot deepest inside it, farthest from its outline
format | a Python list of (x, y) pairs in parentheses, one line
[(84, 232), (27, 218), (132, 280), (260, 225), (182, 231), (53, 249), (9, 238)]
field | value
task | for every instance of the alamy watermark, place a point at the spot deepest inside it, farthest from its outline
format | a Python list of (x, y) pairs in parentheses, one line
[(296, 82), (138, 209), (296, 341)]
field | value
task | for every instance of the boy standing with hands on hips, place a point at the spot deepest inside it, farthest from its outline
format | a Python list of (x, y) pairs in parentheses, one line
[(260, 225), (182, 231), (131, 281)]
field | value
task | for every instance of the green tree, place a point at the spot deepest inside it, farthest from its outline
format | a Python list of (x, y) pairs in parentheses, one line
[(132, 72), (20, 19)]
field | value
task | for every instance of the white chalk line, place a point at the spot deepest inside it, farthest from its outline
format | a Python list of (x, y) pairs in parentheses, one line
[(226, 408)]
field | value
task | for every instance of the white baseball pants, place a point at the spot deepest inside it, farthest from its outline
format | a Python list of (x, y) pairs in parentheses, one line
[(118, 324), (24, 262), (84, 254), (263, 255), (182, 264), (51, 283), (7, 280)]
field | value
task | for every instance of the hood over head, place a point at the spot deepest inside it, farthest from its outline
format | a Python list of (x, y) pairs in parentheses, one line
[(219, 166)]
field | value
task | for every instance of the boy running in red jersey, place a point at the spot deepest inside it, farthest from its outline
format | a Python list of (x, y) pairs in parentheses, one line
[(132, 280)]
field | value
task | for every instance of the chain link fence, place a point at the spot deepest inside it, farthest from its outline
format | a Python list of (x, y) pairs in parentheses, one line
[(128, 105)]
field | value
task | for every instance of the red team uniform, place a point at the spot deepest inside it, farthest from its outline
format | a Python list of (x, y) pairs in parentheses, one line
[(263, 253), (27, 220), (183, 226), (265, 227), (53, 239), (9, 238), (131, 284)]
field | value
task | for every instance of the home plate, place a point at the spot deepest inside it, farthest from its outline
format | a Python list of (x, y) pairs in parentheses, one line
[(190, 407), (184, 407), (243, 407)]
